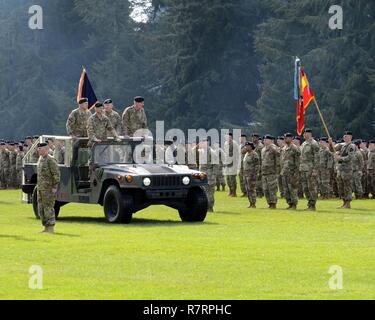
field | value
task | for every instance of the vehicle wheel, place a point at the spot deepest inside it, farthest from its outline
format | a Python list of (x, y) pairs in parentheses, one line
[(35, 205), (197, 204), (118, 205)]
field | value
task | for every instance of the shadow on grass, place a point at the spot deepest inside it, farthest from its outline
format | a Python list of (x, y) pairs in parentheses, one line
[(134, 222), (15, 237)]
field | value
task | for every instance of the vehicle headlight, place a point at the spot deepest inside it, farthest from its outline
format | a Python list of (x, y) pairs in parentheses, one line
[(146, 182), (185, 180)]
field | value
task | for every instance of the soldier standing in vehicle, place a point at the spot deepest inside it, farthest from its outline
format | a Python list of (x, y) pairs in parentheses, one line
[(251, 169), (134, 118), (47, 186), (99, 126), (113, 116), (290, 161), (76, 125)]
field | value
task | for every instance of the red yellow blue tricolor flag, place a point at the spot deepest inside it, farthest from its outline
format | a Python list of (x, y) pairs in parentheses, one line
[(303, 94)]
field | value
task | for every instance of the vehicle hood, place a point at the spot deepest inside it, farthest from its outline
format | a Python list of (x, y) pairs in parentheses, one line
[(148, 169)]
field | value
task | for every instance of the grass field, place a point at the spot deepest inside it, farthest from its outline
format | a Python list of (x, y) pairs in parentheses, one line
[(235, 254)]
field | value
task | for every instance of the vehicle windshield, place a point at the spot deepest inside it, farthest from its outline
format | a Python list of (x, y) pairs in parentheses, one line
[(122, 153)]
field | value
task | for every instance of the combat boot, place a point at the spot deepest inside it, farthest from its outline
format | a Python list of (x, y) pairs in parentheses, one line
[(272, 206), (292, 207), (217, 188), (343, 204), (223, 188), (244, 195), (210, 210), (346, 205), (252, 206)]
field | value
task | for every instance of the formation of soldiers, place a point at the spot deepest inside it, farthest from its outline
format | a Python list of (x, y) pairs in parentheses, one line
[(288, 167), (268, 166)]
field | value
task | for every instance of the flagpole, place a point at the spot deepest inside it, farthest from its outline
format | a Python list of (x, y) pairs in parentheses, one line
[(321, 117)]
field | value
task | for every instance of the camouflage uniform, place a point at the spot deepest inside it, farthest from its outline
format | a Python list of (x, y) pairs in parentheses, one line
[(258, 148), (365, 180), (270, 173), (76, 124), (233, 150), (5, 168), (220, 180), (59, 154), (280, 180), (48, 179), (133, 120), (308, 167), (241, 174), (290, 162), (371, 172), (326, 163), (116, 121), (358, 165), (251, 169), (98, 128), (208, 168), (12, 169), (19, 168), (345, 170)]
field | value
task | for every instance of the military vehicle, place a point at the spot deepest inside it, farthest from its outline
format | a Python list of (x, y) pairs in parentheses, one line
[(109, 174)]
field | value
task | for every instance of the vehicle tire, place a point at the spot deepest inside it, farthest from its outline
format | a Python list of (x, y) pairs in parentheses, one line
[(35, 205), (197, 204), (117, 205)]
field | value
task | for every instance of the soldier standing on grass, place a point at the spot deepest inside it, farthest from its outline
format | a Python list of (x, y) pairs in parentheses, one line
[(309, 169), (270, 165), (47, 185), (290, 161), (371, 168), (255, 137), (251, 169), (206, 164), (326, 164), (241, 175), (344, 155), (358, 166)]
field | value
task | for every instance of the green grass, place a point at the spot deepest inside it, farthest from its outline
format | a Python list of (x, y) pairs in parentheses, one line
[(237, 253)]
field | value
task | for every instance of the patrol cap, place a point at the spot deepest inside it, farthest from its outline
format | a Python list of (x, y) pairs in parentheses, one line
[(2, 143), (230, 134), (36, 137), (280, 138), (371, 141), (268, 137), (288, 135), (98, 105), (308, 130), (243, 136), (256, 135), (107, 101), (348, 133), (325, 139), (29, 138), (248, 143), (357, 142), (139, 99), (42, 144), (83, 100)]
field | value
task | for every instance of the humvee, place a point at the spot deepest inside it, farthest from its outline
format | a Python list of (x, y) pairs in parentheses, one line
[(107, 174)]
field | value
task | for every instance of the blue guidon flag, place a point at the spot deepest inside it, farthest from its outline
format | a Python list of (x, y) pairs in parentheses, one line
[(85, 89)]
